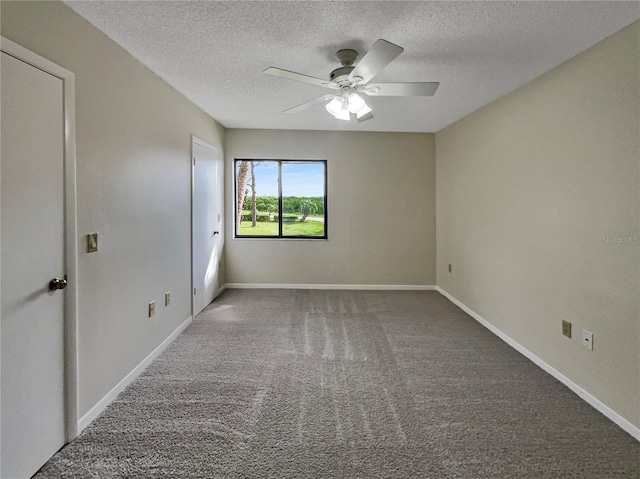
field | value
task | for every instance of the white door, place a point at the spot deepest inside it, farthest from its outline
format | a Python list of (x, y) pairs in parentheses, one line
[(32, 235), (207, 221)]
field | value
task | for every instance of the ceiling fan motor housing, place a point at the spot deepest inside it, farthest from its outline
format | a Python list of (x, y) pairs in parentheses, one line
[(341, 75)]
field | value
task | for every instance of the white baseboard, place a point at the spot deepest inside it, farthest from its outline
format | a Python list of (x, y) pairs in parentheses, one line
[(95, 411), (400, 287), (588, 397)]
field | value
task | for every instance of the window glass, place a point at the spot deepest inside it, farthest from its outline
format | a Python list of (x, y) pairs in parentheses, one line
[(303, 199), (257, 188), (281, 198)]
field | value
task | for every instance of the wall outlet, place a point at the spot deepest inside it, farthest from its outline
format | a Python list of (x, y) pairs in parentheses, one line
[(566, 328), (587, 339), (450, 268), (167, 298), (152, 308)]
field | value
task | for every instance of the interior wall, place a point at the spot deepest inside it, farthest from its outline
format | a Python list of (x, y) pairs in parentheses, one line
[(538, 214), (381, 210), (133, 188)]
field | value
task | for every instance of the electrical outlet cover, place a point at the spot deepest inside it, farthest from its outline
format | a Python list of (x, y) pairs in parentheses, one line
[(587, 339)]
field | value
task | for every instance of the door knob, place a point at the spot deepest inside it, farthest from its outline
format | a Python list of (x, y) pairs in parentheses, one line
[(57, 283), (216, 232)]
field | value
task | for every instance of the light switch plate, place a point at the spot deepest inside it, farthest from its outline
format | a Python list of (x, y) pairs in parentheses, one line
[(566, 328), (167, 298), (152, 308), (92, 242), (587, 339)]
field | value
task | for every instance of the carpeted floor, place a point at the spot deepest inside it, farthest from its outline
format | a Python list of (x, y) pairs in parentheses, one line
[(345, 384)]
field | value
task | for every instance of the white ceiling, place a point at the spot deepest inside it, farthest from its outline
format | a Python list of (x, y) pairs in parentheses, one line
[(214, 52)]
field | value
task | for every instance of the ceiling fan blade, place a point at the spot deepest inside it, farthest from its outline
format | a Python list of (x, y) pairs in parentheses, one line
[(402, 89), (279, 72), (309, 104), (366, 117), (381, 54)]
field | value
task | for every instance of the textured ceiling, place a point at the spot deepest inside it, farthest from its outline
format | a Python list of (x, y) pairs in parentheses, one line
[(214, 52)]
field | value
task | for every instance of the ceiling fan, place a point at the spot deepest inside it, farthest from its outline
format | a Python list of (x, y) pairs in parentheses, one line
[(349, 82)]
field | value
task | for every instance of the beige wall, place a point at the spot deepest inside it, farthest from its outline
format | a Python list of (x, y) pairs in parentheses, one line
[(381, 208), (529, 189), (133, 183)]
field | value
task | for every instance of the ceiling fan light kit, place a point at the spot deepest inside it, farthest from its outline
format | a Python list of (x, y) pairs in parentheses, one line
[(342, 106), (352, 81), (336, 108)]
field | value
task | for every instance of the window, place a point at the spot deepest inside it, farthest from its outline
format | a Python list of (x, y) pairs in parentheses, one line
[(281, 198)]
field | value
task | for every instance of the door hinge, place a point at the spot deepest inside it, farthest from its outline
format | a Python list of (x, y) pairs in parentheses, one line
[(194, 162), (194, 291)]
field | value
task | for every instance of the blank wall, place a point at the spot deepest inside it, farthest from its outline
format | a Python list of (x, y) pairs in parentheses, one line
[(381, 207), (538, 212)]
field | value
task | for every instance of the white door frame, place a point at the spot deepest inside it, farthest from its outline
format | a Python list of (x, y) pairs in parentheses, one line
[(70, 227), (195, 140)]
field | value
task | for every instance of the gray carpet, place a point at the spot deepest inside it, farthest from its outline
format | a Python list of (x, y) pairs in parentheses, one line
[(345, 384)]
